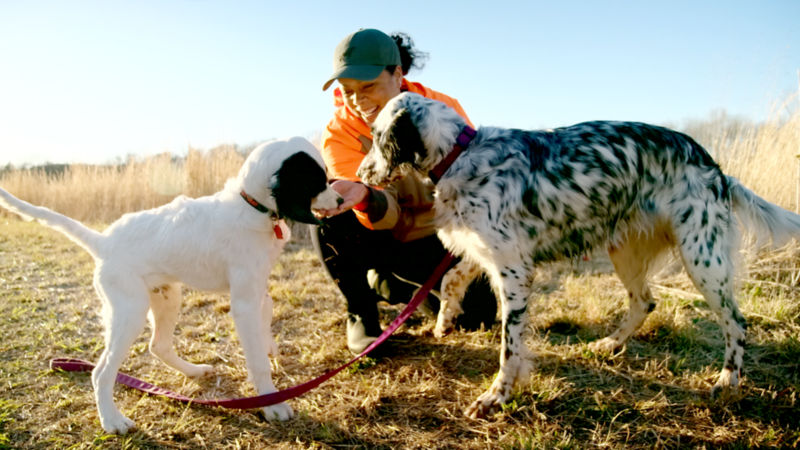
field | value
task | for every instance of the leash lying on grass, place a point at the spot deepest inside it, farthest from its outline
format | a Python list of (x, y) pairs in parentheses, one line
[(77, 365)]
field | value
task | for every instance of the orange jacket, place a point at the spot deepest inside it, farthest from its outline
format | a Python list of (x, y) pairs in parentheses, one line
[(405, 206)]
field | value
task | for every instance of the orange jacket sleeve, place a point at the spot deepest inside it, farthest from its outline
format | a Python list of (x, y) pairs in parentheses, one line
[(346, 140)]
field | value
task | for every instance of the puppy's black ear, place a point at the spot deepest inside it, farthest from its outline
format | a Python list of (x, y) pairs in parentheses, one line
[(298, 181), (402, 142)]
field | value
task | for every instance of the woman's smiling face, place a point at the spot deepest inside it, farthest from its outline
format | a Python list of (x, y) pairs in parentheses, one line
[(367, 98)]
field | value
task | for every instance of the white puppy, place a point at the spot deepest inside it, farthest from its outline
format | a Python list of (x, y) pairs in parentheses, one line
[(226, 241)]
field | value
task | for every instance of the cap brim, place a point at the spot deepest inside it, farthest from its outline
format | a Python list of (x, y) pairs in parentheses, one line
[(363, 73)]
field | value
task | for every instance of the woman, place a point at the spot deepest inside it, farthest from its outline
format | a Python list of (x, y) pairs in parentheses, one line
[(379, 238)]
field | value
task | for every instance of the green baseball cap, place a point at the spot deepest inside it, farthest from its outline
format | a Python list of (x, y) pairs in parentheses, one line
[(363, 55)]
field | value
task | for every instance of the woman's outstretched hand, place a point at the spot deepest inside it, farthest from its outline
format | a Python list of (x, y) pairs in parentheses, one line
[(352, 193)]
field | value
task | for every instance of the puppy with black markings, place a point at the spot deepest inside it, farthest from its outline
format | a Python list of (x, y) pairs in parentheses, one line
[(509, 199), (226, 241)]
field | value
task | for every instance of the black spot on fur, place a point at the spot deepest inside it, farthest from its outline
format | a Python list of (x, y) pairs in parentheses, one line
[(686, 214), (402, 143), (740, 320), (515, 315), (299, 180), (531, 201)]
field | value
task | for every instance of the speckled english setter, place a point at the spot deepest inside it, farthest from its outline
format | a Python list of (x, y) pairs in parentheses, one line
[(516, 198)]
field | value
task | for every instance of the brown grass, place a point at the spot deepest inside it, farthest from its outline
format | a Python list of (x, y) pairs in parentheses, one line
[(655, 394), (763, 157), (101, 194)]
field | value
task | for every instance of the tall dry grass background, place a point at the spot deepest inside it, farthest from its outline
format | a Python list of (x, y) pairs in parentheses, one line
[(101, 194), (763, 156)]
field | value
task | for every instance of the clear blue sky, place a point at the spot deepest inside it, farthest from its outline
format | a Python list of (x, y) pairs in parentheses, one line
[(92, 81)]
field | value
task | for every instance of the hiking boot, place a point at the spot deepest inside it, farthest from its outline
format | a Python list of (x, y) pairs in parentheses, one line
[(359, 334), (394, 290)]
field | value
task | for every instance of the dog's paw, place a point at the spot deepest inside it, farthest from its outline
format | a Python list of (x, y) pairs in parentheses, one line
[(116, 423), (727, 386), (441, 331), (280, 412), (444, 324), (488, 403), (198, 370), (605, 346)]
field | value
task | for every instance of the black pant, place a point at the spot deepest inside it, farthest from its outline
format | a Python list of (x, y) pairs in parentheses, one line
[(349, 250)]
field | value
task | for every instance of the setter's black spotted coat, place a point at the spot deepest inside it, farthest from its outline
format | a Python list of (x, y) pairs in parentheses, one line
[(515, 198)]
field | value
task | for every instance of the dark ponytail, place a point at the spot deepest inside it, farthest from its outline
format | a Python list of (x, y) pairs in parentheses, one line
[(409, 56)]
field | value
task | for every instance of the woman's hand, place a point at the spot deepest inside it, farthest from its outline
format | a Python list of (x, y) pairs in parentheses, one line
[(352, 193)]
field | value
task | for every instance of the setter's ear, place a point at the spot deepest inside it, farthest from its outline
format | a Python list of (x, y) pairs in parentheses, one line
[(402, 143), (294, 186)]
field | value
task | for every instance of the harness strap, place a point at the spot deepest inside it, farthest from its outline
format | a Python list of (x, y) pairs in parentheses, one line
[(462, 141), (263, 209), (255, 204)]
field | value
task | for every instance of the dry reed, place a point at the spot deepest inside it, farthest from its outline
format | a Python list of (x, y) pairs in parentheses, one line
[(762, 156), (101, 194)]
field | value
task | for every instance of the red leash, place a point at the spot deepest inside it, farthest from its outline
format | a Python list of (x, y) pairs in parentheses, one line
[(77, 365)]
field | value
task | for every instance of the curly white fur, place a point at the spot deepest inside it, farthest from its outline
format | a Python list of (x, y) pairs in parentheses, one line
[(214, 243)]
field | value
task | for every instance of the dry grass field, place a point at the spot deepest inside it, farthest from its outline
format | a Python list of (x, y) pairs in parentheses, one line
[(654, 394)]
